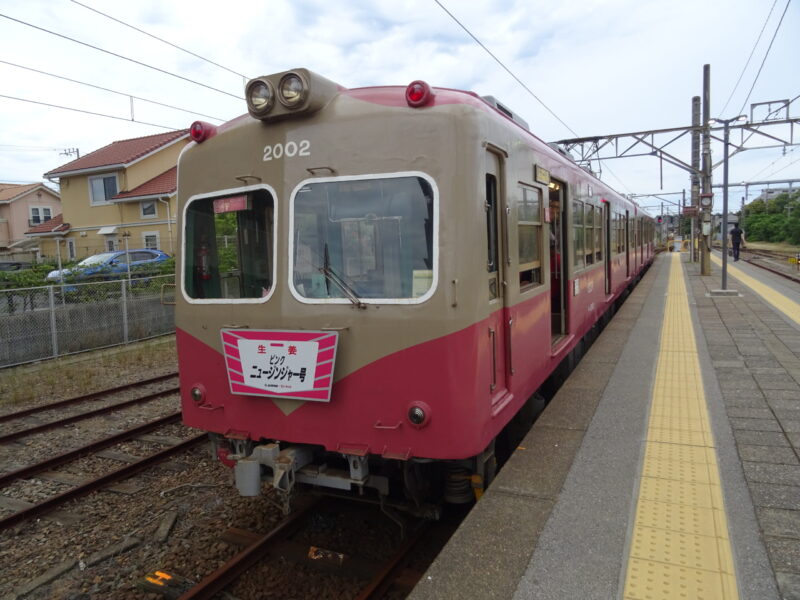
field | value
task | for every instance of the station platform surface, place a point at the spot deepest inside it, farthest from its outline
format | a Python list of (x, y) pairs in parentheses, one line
[(665, 467)]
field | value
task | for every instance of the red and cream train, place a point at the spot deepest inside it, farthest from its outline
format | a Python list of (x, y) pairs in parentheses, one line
[(374, 281)]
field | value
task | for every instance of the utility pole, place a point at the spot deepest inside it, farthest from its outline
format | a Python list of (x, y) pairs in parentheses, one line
[(727, 136), (706, 197), (695, 178)]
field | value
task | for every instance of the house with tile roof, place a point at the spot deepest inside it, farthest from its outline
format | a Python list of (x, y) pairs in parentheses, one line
[(22, 207), (123, 193)]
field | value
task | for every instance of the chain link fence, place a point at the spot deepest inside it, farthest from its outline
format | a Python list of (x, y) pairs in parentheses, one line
[(45, 322)]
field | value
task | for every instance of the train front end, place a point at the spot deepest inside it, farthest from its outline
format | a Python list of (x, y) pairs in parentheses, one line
[(316, 328)]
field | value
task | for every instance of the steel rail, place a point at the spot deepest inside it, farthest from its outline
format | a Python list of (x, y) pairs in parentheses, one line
[(783, 274), (241, 562), (79, 399), (87, 449), (767, 254), (380, 583), (85, 415), (46, 506)]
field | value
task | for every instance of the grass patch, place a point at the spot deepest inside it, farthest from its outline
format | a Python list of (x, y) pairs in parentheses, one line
[(70, 376)]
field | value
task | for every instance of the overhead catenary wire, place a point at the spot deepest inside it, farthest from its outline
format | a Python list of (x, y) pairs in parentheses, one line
[(505, 68), (766, 54), (783, 168), (98, 87), (155, 37), (133, 60), (88, 112), (747, 63), (519, 81), (16, 147)]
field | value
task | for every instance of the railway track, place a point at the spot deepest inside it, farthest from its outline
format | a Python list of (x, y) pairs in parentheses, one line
[(774, 262), (83, 484), (393, 575), (769, 260), (85, 398), (45, 506)]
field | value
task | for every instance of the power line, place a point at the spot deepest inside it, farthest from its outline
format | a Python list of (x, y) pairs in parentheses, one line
[(746, 64), (784, 167), (28, 148), (507, 70), (186, 110), (519, 81), (155, 37), (88, 112), (774, 35), (772, 163), (122, 57)]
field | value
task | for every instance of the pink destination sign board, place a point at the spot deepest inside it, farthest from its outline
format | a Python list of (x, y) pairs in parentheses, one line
[(230, 204), (280, 364)]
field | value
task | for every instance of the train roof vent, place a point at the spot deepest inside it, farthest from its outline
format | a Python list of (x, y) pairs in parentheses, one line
[(506, 111)]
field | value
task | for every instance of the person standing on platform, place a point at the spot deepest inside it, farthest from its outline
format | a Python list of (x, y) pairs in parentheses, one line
[(736, 237)]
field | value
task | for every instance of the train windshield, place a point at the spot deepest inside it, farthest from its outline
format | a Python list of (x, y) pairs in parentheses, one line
[(229, 246), (363, 239)]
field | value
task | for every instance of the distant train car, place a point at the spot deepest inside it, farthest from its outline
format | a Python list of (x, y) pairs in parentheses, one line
[(375, 281)]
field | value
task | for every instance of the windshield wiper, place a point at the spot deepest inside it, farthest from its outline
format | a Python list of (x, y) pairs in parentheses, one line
[(332, 276)]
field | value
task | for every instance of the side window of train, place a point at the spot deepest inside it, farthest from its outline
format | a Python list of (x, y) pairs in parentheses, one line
[(577, 234), (588, 229), (598, 234), (364, 238), (491, 235), (529, 232), (229, 246)]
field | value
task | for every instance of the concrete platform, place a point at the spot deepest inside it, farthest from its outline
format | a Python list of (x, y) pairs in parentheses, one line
[(558, 521)]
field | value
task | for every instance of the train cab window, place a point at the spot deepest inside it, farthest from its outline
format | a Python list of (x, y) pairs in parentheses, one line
[(577, 234), (529, 231), (363, 239), (229, 246)]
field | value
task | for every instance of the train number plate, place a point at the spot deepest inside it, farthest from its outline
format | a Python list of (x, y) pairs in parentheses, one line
[(280, 364)]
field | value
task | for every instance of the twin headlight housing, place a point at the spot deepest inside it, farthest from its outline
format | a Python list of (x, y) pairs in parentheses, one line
[(283, 94)]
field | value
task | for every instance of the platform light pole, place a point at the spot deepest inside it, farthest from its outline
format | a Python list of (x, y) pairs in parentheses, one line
[(726, 124)]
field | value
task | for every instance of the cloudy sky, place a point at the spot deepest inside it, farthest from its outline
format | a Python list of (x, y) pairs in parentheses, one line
[(602, 66)]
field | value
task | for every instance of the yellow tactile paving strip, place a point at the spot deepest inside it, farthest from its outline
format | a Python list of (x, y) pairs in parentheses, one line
[(680, 547), (787, 306)]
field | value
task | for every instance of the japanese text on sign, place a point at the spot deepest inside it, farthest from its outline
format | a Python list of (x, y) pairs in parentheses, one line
[(278, 366)]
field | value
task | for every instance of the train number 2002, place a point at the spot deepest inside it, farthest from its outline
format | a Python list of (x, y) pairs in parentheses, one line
[(289, 150)]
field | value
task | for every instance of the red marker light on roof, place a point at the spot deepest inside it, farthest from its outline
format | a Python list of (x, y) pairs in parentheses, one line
[(201, 131), (418, 93)]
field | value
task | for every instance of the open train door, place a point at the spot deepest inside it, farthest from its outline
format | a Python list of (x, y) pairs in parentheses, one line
[(558, 261)]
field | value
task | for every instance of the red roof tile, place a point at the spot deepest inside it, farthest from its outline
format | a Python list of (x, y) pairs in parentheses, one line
[(54, 225), (9, 191), (121, 152), (160, 185)]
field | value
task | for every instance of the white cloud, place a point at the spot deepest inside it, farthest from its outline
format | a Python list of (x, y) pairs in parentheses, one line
[(603, 66)]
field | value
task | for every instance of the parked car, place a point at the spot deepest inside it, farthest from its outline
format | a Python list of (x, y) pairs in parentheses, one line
[(109, 265), (8, 265)]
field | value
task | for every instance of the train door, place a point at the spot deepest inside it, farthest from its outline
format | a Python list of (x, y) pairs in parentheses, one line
[(607, 245), (627, 244), (558, 260), (497, 251)]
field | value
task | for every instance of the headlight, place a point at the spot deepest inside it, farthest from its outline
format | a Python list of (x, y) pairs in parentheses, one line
[(292, 90), (260, 97)]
